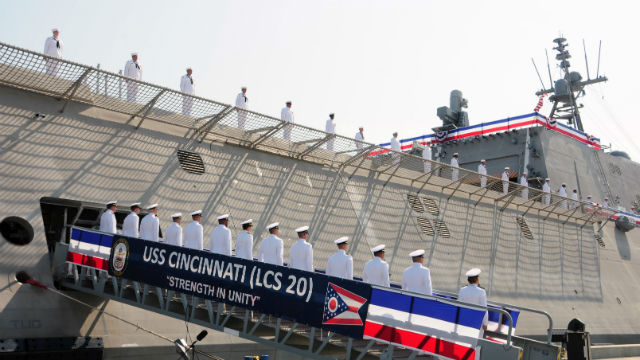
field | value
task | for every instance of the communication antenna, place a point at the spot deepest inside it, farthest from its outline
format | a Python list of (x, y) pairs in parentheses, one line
[(537, 72), (599, 48), (586, 62), (568, 88), (548, 69)]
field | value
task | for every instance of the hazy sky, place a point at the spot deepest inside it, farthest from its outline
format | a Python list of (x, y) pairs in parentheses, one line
[(386, 65)]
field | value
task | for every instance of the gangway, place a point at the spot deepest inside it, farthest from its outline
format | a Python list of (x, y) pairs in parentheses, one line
[(293, 330)]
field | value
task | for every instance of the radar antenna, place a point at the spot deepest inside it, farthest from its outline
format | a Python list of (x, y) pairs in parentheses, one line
[(569, 88)]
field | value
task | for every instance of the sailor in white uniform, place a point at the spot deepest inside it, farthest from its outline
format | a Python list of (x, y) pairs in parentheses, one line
[(395, 146), (605, 202), (131, 224), (505, 180), (173, 234), (524, 182), (359, 138), (563, 192), (546, 188), (132, 70), (242, 102), (220, 239), (474, 294), (150, 224), (270, 251), (301, 252), (482, 170), (340, 264), (108, 218), (187, 87), (417, 278), (574, 198), (193, 233), (426, 157), (454, 167), (53, 48), (244, 241), (330, 127), (376, 270), (286, 115)]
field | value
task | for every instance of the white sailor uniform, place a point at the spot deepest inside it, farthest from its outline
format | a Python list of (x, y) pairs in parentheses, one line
[(187, 87), (546, 188), (395, 146), (108, 222), (359, 138), (330, 127), (150, 227), (301, 256), (340, 265), (242, 102), (286, 115), (173, 234), (193, 236), (417, 278), (130, 225), (220, 240), (482, 169), (525, 191), (132, 70), (454, 169), (505, 182), (376, 272), (270, 250), (244, 245), (563, 192), (53, 48), (426, 155)]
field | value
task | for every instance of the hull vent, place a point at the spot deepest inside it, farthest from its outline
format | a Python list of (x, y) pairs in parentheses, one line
[(431, 205), (526, 232), (415, 204), (425, 226), (191, 162), (599, 239), (443, 231)]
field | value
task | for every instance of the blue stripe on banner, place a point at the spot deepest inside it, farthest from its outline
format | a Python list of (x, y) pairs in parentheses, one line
[(90, 237), (447, 312), (106, 240), (76, 234), (391, 300)]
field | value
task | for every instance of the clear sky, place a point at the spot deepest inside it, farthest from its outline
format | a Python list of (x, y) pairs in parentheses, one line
[(386, 65)]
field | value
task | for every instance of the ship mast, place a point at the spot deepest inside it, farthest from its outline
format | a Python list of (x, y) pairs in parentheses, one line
[(568, 89)]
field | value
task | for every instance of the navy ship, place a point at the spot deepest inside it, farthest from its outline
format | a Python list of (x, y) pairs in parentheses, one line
[(72, 139)]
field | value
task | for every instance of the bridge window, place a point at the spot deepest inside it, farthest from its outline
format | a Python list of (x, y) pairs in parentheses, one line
[(191, 162)]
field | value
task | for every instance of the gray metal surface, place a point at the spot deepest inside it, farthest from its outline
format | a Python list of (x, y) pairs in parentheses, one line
[(92, 154)]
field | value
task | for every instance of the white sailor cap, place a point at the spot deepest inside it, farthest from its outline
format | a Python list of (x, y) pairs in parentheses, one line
[(506, 168), (483, 160), (112, 202), (473, 272), (417, 253), (302, 229), (197, 212), (222, 217), (176, 215), (152, 206), (456, 154), (135, 204), (588, 196), (360, 127), (525, 173), (375, 249), (273, 225), (342, 240), (247, 222), (134, 54), (55, 29), (564, 184), (547, 179)]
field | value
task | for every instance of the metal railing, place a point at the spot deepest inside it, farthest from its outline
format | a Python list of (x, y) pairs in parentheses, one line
[(211, 120)]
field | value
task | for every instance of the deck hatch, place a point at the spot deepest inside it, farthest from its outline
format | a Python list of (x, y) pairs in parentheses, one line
[(191, 162)]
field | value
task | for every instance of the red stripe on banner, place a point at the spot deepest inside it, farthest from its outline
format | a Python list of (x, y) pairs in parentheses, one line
[(348, 294), (353, 309), (86, 260), (419, 341), (338, 321)]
